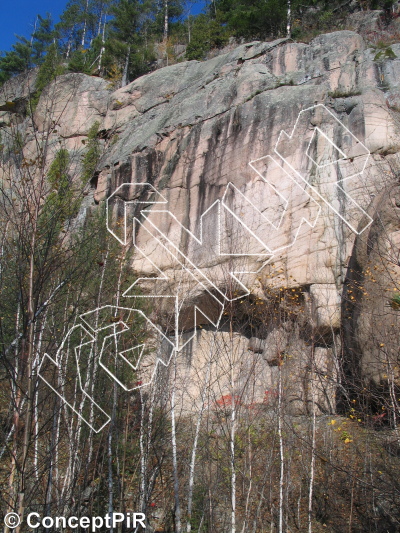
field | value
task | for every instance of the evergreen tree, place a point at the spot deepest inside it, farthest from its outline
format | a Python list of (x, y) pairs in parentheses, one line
[(78, 24), (68, 28), (17, 60), (253, 18), (92, 155), (27, 54), (43, 36), (48, 70), (82, 32), (126, 44), (207, 32), (166, 14)]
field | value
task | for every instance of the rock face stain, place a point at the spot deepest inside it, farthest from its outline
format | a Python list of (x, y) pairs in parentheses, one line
[(192, 128)]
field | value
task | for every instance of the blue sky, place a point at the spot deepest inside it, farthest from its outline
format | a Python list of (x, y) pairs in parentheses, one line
[(18, 17)]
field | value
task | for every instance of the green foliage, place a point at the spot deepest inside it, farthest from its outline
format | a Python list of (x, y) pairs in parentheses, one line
[(70, 28), (140, 61), (206, 34), (42, 38), (117, 53), (326, 18), (117, 39), (78, 62), (344, 94), (17, 143), (15, 61), (156, 17), (129, 17), (48, 71), (81, 22), (59, 207), (199, 504), (380, 4), (395, 301), (60, 204), (92, 155), (253, 18), (387, 53), (58, 172), (26, 54), (128, 44)]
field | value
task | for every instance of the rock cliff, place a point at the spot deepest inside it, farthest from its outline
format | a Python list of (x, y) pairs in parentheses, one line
[(281, 160)]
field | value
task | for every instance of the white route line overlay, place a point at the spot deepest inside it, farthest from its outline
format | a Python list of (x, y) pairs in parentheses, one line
[(199, 276), (88, 330)]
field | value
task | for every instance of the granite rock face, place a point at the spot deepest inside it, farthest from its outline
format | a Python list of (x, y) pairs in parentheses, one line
[(319, 124)]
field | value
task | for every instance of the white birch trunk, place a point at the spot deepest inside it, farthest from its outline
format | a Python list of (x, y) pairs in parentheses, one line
[(114, 409), (174, 452), (281, 451), (102, 50), (85, 25), (166, 20), (232, 437), (312, 463), (195, 442), (124, 79), (289, 19), (142, 498), (99, 24), (36, 399), (233, 469)]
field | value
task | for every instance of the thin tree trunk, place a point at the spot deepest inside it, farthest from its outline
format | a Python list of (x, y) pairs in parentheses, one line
[(68, 49), (281, 453), (36, 399), (124, 80), (84, 34), (250, 482), (99, 24), (289, 19), (166, 20), (72, 435), (102, 50), (34, 30), (194, 449), (29, 360), (114, 409), (16, 392), (49, 488), (123, 472), (175, 455), (145, 485), (233, 468), (95, 351), (85, 24), (14, 456), (232, 436), (142, 455), (110, 458), (312, 464)]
